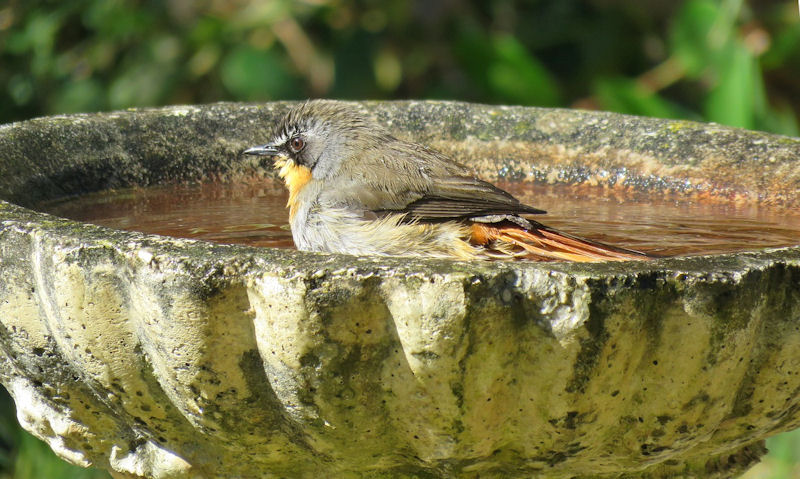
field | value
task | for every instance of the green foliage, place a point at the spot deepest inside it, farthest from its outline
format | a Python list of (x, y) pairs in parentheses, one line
[(731, 61), (251, 74), (711, 46), (35, 460), (691, 36), (783, 460), (504, 70), (629, 96), (785, 455)]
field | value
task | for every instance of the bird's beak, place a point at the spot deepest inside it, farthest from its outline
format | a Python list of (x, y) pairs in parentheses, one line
[(263, 150)]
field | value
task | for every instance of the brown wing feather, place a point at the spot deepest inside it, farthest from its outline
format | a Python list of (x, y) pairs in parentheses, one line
[(543, 243)]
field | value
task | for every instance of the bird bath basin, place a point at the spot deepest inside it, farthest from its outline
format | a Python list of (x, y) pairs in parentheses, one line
[(162, 357)]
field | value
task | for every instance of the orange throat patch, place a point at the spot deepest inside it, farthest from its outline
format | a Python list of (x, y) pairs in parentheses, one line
[(296, 178)]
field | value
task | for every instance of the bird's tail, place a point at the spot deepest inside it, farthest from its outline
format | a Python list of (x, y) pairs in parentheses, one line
[(541, 243)]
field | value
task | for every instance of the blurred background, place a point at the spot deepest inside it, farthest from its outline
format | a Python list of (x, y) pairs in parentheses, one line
[(735, 62)]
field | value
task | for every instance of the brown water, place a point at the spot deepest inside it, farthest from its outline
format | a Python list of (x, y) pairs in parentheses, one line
[(255, 214)]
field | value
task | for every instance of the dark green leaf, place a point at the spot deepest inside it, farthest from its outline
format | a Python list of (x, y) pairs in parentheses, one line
[(79, 96), (784, 45), (253, 74), (143, 84), (624, 95), (519, 77)]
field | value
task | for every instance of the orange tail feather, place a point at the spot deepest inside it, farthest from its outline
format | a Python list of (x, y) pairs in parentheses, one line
[(543, 243)]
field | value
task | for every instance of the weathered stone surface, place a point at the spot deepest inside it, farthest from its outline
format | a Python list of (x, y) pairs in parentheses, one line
[(160, 357)]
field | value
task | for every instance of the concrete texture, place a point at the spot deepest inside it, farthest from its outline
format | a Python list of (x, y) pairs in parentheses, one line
[(169, 358)]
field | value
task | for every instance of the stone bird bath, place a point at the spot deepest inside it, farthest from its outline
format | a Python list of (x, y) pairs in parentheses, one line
[(160, 357)]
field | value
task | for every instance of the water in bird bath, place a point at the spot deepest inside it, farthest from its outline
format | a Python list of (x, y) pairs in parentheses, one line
[(254, 213)]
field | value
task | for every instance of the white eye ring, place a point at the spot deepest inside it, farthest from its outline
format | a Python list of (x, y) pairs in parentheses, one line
[(296, 144)]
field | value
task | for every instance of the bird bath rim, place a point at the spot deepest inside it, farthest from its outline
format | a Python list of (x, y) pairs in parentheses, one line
[(412, 116)]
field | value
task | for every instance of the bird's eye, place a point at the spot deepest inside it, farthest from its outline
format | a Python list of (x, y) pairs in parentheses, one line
[(297, 144)]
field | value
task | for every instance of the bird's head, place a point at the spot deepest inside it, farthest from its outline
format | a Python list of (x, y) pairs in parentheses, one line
[(318, 135)]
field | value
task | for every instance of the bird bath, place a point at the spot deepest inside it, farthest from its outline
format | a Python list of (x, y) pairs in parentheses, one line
[(161, 357)]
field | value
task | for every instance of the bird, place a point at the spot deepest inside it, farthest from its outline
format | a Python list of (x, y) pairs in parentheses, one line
[(354, 188)]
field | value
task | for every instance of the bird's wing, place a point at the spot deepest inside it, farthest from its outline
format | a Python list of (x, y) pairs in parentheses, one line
[(460, 197), (423, 184)]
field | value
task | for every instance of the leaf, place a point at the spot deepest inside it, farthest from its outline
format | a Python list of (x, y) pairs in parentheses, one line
[(733, 100), (520, 77), (779, 119), (254, 74), (784, 447), (474, 53), (691, 32), (79, 96), (784, 45), (142, 84), (36, 460), (624, 95)]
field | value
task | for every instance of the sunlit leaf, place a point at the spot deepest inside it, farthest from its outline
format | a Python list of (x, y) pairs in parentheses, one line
[(691, 35), (388, 70), (733, 100)]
